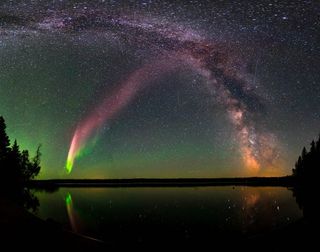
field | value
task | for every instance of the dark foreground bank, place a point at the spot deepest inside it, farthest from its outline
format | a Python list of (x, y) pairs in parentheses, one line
[(22, 231)]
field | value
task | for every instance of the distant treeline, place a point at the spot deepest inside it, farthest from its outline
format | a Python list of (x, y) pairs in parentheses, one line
[(180, 182)]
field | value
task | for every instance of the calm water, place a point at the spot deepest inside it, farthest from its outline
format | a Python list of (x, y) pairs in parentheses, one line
[(144, 214)]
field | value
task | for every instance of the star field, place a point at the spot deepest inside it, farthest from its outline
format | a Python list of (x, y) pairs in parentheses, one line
[(117, 89)]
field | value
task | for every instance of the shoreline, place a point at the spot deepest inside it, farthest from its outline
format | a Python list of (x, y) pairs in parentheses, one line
[(286, 181), (19, 226)]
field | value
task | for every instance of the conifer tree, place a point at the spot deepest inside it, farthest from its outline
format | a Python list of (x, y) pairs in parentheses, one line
[(16, 166)]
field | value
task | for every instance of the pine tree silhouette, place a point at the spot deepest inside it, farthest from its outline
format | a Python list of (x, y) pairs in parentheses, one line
[(15, 165), (4, 142), (307, 167)]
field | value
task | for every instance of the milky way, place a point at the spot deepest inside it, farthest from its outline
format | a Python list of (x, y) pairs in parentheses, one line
[(164, 45), (202, 55)]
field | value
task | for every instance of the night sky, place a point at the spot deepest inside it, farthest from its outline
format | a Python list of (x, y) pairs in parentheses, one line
[(122, 89)]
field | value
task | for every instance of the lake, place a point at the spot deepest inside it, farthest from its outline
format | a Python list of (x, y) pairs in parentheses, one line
[(170, 214)]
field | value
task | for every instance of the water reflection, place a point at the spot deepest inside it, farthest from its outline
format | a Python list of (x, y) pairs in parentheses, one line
[(72, 214), (29, 200), (21, 196), (249, 208), (145, 214), (306, 200)]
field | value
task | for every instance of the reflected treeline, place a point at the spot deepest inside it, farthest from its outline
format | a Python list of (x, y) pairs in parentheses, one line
[(28, 200), (305, 174), (21, 196), (24, 196), (306, 198)]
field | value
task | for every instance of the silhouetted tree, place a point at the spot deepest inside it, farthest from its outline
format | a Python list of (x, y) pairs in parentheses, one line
[(297, 170), (14, 157), (4, 144), (31, 167), (313, 147), (304, 153), (306, 189), (16, 166), (307, 168), (318, 144)]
